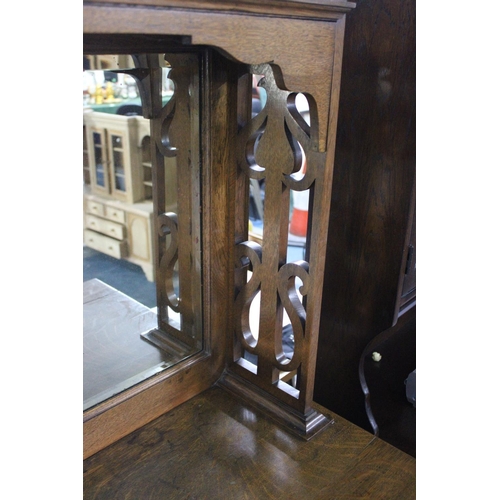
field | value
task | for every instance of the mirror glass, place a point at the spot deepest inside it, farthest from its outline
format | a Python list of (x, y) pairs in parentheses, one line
[(129, 268)]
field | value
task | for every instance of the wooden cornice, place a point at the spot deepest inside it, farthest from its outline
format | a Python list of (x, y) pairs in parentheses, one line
[(318, 9)]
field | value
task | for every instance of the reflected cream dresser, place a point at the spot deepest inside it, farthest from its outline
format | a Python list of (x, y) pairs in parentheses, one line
[(118, 204)]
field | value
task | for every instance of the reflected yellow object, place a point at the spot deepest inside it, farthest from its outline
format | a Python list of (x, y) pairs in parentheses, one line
[(98, 95), (110, 96)]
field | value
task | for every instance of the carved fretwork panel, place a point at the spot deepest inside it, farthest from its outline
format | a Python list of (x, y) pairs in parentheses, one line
[(253, 290), (175, 132), (280, 150)]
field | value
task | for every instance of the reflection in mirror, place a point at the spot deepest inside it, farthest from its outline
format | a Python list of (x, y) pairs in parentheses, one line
[(142, 289)]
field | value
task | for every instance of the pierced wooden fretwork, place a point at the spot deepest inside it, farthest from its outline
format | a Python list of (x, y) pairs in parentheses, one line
[(301, 44), (175, 129), (273, 147)]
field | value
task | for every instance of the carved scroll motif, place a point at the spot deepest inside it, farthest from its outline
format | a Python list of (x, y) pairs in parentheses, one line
[(168, 225), (176, 146), (271, 148), (295, 309), (248, 254)]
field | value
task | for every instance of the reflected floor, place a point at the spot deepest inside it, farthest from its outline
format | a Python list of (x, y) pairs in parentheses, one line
[(115, 357), (119, 305), (120, 274)]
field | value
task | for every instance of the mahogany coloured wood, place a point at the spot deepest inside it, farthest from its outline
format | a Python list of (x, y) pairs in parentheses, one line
[(391, 415), (372, 197)]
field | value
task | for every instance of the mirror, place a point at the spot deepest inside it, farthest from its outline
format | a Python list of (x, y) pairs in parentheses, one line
[(141, 221)]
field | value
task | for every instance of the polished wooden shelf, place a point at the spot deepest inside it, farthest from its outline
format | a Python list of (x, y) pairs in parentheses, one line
[(216, 446)]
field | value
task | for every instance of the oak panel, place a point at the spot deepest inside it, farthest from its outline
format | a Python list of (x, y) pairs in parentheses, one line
[(215, 446)]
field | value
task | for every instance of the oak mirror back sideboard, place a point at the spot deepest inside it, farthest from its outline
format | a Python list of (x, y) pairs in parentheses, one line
[(205, 190)]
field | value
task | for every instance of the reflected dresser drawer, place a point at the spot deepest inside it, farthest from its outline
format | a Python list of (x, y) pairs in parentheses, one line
[(114, 214), (105, 244), (94, 207), (104, 226)]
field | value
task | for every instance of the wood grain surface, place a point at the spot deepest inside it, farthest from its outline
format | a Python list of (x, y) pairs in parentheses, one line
[(372, 193), (215, 447), (322, 9)]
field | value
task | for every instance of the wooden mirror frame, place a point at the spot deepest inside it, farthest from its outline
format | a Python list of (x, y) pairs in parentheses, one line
[(272, 30), (116, 417)]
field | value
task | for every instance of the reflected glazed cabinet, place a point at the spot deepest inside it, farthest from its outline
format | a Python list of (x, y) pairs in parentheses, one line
[(117, 199), (116, 146)]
